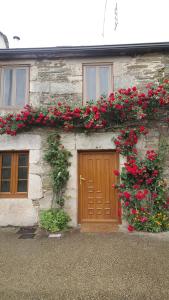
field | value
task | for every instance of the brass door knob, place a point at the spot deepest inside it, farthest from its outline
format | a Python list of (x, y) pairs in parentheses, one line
[(81, 179)]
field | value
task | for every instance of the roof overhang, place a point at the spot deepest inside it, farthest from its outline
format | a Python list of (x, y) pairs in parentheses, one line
[(83, 51)]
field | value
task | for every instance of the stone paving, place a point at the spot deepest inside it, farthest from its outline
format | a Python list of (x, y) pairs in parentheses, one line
[(84, 266)]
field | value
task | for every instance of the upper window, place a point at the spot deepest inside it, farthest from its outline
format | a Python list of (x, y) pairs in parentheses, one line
[(13, 174), (13, 86), (98, 81)]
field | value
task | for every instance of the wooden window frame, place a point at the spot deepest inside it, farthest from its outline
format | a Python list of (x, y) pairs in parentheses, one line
[(97, 65), (27, 88), (14, 175)]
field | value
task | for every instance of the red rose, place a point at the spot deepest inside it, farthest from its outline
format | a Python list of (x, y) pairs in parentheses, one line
[(117, 143), (143, 219), (155, 173), (154, 195), (122, 185), (140, 195), (116, 172), (95, 109), (127, 195), (130, 228), (149, 180), (118, 106), (136, 186)]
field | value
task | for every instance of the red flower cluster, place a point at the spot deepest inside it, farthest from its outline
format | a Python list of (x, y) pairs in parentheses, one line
[(151, 155), (140, 195), (141, 191), (116, 172), (125, 105)]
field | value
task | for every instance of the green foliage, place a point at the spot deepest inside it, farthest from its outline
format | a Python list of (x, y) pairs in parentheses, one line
[(54, 220), (154, 222), (58, 158), (143, 190)]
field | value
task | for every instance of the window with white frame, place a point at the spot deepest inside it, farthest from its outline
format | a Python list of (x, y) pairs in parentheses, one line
[(14, 89), (97, 81)]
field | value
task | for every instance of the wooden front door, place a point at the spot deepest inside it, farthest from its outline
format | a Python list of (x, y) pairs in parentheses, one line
[(98, 201)]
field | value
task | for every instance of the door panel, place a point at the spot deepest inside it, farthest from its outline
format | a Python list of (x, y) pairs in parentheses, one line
[(97, 199)]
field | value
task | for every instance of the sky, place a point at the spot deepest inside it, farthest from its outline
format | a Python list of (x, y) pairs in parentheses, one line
[(49, 23)]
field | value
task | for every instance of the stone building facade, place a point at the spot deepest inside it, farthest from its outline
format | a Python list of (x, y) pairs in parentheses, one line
[(57, 74)]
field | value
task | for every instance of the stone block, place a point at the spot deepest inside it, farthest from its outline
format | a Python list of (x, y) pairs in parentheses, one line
[(33, 73), (95, 141), (39, 87), (68, 140), (35, 99), (46, 181), (34, 156), (35, 187), (35, 169), (46, 201), (20, 142), (17, 212)]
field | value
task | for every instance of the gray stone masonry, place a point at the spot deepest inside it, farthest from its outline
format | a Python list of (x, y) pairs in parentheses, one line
[(62, 79)]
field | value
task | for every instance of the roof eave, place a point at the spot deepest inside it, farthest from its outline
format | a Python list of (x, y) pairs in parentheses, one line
[(82, 51)]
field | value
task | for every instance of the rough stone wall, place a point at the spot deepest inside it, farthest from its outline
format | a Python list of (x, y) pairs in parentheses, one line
[(53, 80), (63, 78)]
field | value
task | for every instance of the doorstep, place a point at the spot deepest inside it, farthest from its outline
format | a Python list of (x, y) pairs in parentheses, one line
[(99, 227)]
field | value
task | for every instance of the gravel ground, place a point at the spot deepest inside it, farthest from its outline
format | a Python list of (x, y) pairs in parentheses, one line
[(84, 267)]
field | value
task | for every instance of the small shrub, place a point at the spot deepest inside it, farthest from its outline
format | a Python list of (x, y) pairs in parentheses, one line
[(54, 220)]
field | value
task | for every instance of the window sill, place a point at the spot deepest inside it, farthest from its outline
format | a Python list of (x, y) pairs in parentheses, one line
[(10, 196)]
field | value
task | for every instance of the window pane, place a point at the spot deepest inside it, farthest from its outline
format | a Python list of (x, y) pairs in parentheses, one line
[(6, 160), (5, 186), (6, 173), (22, 186), (7, 87), (104, 80), (23, 159), (22, 173), (20, 86), (91, 83)]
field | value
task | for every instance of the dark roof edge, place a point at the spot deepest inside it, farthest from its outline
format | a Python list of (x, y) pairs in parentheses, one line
[(83, 51)]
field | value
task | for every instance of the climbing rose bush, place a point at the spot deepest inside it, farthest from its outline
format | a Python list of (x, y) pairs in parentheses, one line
[(125, 105), (142, 190)]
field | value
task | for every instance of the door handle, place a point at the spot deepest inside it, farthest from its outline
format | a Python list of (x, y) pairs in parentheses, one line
[(81, 179)]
